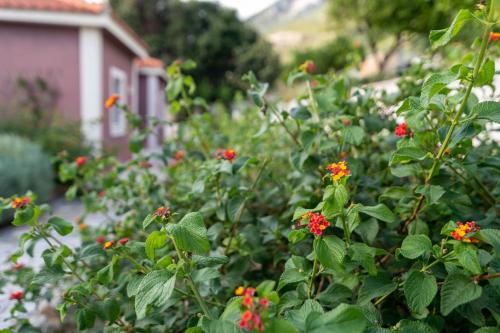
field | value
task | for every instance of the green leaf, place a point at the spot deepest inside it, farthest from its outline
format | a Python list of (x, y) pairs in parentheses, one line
[(458, 289), (489, 110), (330, 251), (411, 326), (85, 319), (434, 84), (486, 74), (467, 257), (281, 326), (60, 225), (488, 330), (156, 240), (109, 310), (407, 154), (419, 289), (353, 135), (442, 37), (490, 236), (190, 234), (375, 286), (344, 318), (415, 245), (296, 236), (300, 113), (222, 326), (26, 216), (296, 269), (155, 289), (150, 218), (365, 255), (380, 212)]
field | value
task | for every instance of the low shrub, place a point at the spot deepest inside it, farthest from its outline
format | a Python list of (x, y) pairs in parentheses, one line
[(342, 52), (24, 167), (324, 216)]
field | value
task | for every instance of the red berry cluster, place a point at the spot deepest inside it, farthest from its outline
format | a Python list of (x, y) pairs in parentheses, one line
[(253, 309), (401, 130), (317, 223), (108, 244)]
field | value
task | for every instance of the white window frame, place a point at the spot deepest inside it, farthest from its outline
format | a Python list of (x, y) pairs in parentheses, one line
[(117, 119)]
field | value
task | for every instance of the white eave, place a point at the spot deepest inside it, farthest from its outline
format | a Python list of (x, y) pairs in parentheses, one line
[(103, 20)]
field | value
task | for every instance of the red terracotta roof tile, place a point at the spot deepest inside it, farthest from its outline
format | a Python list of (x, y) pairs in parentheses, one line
[(149, 63), (80, 6)]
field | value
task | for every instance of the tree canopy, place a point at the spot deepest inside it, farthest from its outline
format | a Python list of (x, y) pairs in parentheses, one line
[(223, 46), (377, 20)]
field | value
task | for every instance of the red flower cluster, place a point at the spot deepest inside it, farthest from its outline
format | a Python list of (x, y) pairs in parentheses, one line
[(179, 155), (80, 161), (20, 202), (251, 317), (401, 130), (107, 245), (317, 223), (17, 267), (494, 36), (338, 170), (145, 164), (308, 67), (111, 101), (163, 212), (16, 295), (463, 229), (228, 154)]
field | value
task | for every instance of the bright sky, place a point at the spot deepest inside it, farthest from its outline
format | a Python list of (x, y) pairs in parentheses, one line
[(246, 8)]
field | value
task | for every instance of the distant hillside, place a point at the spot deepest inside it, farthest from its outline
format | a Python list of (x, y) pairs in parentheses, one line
[(292, 24), (283, 12)]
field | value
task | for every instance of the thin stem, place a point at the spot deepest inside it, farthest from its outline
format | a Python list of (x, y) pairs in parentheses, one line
[(313, 275), (347, 236), (241, 208), (456, 118), (438, 260), (282, 123), (191, 283), (312, 101)]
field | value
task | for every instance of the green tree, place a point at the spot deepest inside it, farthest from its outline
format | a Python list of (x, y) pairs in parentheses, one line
[(380, 20), (224, 47)]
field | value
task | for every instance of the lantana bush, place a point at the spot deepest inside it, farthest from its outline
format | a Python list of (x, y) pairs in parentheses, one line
[(334, 215)]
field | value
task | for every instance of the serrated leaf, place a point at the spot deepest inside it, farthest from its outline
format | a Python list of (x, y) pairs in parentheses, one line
[(458, 289), (489, 110), (375, 286), (467, 257), (420, 289), (344, 318), (155, 289), (415, 246), (442, 37), (190, 234), (330, 251)]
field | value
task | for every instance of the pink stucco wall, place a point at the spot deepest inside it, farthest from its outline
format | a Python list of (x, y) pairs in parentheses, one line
[(116, 55), (30, 51)]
